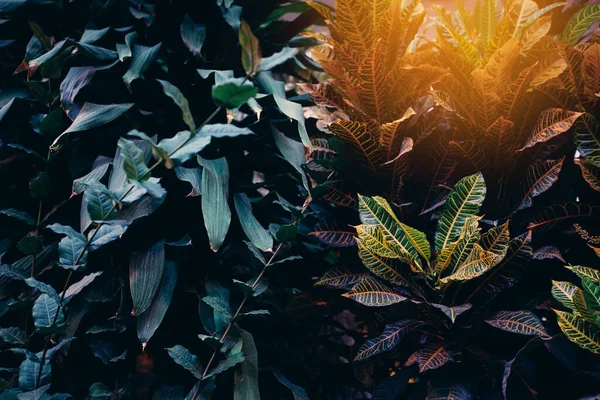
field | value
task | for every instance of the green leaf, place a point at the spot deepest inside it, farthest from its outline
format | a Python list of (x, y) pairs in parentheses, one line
[(101, 204), (134, 162), (106, 234), (591, 294), (215, 191), (44, 310), (382, 267), (585, 272), (370, 292), (71, 247), (183, 146), (193, 35), (476, 264), (145, 274), (496, 240), (233, 92), (92, 116), (245, 381), (276, 59), (389, 338), (251, 55), (579, 331), (223, 130), (149, 321), (408, 243), (464, 201), (142, 58), (522, 322), (77, 287), (587, 139), (580, 23), (20, 215), (187, 360), (179, 99), (43, 288), (259, 236)]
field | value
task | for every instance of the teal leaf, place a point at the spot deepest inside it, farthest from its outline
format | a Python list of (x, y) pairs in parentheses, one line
[(231, 361), (186, 359), (193, 176), (106, 234), (259, 236), (43, 288), (101, 204), (134, 162), (145, 274), (276, 59), (40, 186), (77, 78), (149, 321), (13, 335), (30, 244), (92, 116), (179, 99), (193, 35), (215, 191), (78, 286), (298, 392), (72, 249), (94, 176), (20, 215), (44, 310), (223, 130), (245, 381), (142, 58), (183, 146)]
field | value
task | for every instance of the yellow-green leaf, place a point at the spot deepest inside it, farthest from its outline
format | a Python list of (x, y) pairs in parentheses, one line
[(382, 267), (477, 264), (370, 292), (251, 54), (580, 23), (564, 293), (578, 331), (523, 322)]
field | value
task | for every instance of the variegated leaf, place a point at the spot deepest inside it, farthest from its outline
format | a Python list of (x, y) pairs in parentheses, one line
[(578, 331), (590, 172), (389, 338), (546, 253), (433, 356), (337, 195), (448, 390), (360, 139), (384, 268), (522, 322), (585, 272), (328, 232), (591, 293), (551, 123), (478, 263), (539, 178), (453, 312), (559, 213), (564, 293), (463, 202), (496, 240), (372, 293), (587, 139), (339, 277), (580, 23)]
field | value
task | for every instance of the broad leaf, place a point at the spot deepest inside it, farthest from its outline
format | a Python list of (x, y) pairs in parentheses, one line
[(551, 123), (145, 273), (587, 139), (233, 92), (370, 292), (193, 35), (578, 331), (580, 23), (564, 292), (134, 162), (339, 277), (539, 178), (433, 356), (44, 311), (328, 232), (187, 360), (390, 337), (142, 58)]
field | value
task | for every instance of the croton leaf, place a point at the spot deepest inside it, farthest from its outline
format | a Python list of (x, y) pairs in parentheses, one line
[(433, 356), (464, 201), (585, 272), (580, 23), (453, 312), (476, 264), (339, 277), (564, 292), (539, 178), (523, 322), (370, 292), (579, 331), (382, 267), (551, 123), (587, 139), (328, 232), (445, 390), (390, 337)]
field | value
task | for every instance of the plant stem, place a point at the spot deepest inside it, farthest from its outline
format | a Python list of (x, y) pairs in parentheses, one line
[(237, 312)]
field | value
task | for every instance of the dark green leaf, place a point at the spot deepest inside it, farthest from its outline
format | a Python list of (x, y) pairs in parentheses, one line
[(44, 310), (233, 92), (142, 58), (258, 235), (145, 274), (179, 99), (187, 360), (215, 191), (193, 35)]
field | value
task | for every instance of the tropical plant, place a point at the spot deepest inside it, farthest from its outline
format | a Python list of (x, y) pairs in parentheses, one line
[(405, 268)]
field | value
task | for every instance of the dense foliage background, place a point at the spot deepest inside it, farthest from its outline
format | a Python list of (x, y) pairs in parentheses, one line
[(289, 199)]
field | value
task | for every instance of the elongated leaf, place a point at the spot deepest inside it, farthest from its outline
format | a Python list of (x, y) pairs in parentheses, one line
[(92, 116), (20, 215), (360, 140), (13, 335), (101, 204), (186, 359), (551, 123), (328, 232), (149, 321), (142, 58), (251, 55), (463, 202), (285, 54), (546, 253), (215, 191), (145, 274), (433, 356), (522, 322), (384, 268), (590, 172), (496, 240), (585, 272), (134, 162), (580, 23), (339, 277), (578, 331), (93, 176), (591, 294), (77, 287), (106, 234), (193, 35), (370, 292), (560, 213), (245, 381), (539, 178), (259, 236), (390, 337), (477, 263), (223, 130), (298, 392), (179, 99)]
